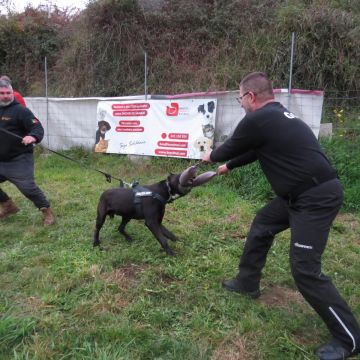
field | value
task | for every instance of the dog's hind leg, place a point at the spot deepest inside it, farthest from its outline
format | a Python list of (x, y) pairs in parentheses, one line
[(121, 228), (155, 228), (168, 233), (100, 219)]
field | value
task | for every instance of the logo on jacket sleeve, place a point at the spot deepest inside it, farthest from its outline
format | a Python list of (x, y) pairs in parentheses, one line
[(289, 115), (6, 118)]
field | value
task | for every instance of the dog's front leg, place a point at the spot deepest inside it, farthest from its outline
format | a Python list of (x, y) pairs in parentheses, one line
[(168, 233), (155, 228)]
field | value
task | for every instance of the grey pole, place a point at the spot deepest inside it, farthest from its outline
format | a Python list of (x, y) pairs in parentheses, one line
[(145, 54), (291, 60), (47, 102)]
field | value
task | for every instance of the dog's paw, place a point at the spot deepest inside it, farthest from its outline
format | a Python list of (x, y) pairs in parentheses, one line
[(100, 248), (170, 252), (174, 239)]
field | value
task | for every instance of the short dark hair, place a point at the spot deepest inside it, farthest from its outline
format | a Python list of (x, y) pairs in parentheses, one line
[(258, 83)]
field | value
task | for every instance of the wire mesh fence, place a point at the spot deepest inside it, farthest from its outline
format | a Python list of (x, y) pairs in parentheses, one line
[(342, 109)]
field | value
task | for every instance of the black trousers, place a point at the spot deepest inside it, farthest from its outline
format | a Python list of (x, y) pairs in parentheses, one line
[(309, 219), (20, 172)]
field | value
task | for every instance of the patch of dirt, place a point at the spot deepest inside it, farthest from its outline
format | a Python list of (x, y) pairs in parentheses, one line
[(238, 348), (280, 296), (307, 339), (43, 348), (32, 304), (231, 218), (111, 305), (348, 220), (124, 276), (168, 279)]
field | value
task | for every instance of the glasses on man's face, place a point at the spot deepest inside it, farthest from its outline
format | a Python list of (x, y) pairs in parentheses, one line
[(5, 92), (239, 99)]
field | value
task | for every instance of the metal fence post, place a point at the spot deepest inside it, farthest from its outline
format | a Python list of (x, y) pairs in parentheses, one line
[(145, 78), (47, 102)]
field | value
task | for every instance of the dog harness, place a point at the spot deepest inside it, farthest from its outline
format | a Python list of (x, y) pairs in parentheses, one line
[(141, 192)]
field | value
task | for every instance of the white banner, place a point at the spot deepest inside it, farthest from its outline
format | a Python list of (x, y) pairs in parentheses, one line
[(173, 128)]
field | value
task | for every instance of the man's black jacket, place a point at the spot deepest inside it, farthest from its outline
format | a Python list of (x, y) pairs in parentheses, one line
[(285, 146), (20, 121)]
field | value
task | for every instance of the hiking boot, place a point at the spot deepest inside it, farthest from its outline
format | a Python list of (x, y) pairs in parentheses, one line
[(48, 216), (234, 285), (8, 208), (333, 350)]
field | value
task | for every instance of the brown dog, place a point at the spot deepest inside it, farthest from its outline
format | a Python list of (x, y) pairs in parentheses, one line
[(147, 203)]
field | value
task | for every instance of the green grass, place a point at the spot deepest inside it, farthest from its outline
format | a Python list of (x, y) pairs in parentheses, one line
[(62, 299)]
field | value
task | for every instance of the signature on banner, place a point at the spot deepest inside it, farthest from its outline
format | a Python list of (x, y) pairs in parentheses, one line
[(131, 143)]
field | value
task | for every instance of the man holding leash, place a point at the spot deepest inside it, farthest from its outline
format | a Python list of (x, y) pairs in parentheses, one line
[(19, 129), (309, 195)]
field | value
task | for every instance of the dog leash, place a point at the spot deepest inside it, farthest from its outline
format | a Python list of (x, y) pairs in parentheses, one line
[(108, 176)]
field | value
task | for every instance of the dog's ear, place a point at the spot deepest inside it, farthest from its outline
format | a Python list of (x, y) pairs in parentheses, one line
[(201, 108), (203, 178), (187, 176), (172, 177)]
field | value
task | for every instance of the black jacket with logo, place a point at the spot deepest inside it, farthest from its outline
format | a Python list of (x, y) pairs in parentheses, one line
[(287, 149), (20, 121)]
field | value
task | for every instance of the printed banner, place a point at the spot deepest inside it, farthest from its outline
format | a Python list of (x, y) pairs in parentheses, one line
[(172, 128)]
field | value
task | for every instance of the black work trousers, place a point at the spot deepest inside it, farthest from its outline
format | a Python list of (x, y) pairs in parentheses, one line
[(20, 172), (309, 218)]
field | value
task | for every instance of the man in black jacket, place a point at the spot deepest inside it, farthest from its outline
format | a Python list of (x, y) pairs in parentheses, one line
[(309, 195), (16, 154)]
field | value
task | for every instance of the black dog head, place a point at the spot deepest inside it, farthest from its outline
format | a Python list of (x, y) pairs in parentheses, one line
[(201, 108), (211, 106), (104, 126), (176, 190)]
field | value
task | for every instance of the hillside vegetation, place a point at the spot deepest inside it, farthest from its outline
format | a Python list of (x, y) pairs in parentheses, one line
[(191, 45)]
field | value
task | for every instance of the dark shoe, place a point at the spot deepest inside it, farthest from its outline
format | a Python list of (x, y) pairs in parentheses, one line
[(333, 350), (8, 208), (234, 285), (48, 216)]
